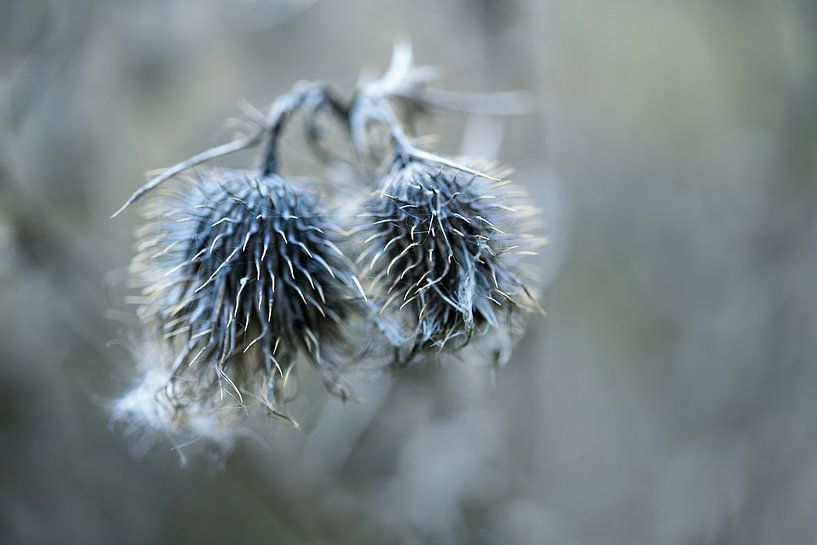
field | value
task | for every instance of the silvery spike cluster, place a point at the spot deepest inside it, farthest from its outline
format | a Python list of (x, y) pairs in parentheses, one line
[(243, 274)]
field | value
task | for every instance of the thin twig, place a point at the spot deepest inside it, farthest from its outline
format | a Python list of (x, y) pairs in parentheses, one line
[(203, 157)]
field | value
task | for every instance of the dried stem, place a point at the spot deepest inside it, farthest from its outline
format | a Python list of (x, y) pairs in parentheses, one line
[(371, 104)]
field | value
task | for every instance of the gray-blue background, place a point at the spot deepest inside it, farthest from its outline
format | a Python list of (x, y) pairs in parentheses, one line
[(670, 396)]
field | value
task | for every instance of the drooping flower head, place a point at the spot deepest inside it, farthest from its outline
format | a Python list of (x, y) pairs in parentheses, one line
[(445, 252), (241, 274)]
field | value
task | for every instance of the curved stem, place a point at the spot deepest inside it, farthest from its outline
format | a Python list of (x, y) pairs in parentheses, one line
[(313, 95), (376, 109), (370, 104), (203, 157), (405, 81), (280, 111)]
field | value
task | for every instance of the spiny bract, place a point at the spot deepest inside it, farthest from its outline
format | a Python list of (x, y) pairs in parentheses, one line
[(242, 276), (446, 252)]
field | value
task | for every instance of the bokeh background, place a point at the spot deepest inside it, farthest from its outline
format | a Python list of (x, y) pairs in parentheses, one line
[(669, 396)]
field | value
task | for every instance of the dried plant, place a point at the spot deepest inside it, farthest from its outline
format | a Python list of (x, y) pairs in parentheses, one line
[(450, 237), (449, 253), (242, 263), (242, 272)]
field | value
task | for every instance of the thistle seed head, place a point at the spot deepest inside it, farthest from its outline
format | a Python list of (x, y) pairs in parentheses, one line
[(242, 277), (445, 253)]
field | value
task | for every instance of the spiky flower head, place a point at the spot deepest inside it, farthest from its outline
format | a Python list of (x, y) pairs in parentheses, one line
[(446, 251), (241, 274)]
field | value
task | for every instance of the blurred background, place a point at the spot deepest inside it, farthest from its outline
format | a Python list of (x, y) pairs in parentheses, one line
[(669, 396)]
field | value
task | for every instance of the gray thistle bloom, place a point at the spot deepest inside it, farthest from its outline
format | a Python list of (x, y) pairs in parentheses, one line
[(241, 279), (241, 274), (448, 246), (446, 241)]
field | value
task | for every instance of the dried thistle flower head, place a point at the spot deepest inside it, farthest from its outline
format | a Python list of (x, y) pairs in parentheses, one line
[(446, 250), (241, 274)]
